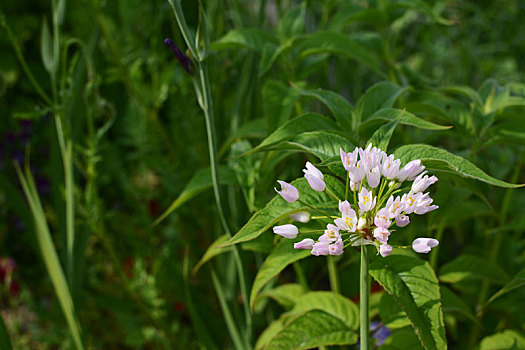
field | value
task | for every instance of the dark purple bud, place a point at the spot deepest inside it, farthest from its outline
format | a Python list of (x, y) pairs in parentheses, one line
[(184, 60)]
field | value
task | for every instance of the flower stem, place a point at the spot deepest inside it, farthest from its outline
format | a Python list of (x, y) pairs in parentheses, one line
[(364, 290), (313, 208), (347, 185), (331, 194), (332, 274)]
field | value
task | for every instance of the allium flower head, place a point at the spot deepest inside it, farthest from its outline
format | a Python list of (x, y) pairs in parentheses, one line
[(375, 208)]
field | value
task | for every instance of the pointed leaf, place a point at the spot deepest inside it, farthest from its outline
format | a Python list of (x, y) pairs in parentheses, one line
[(310, 330), (279, 101), (341, 109), (298, 125), (470, 266), (517, 281), (248, 38), (340, 44), (381, 95), (439, 159), (508, 339), (200, 182), (331, 303), (405, 118), (381, 137), (46, 47), (415, 288), (212, 251), (286, 294), (283, 255)]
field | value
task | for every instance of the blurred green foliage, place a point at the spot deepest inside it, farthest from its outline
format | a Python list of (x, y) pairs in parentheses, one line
[(138, 138)]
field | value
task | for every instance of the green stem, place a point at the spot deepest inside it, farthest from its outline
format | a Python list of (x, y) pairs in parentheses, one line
[(301, 278), (364, 290), (332, 274), (315, 209), (347, 185), (332, 194)]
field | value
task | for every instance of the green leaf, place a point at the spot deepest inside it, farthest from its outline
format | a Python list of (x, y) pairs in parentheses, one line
[(391, 313), (517, 281), (298, 125), (291, 22), (46, 47), (200, 182), (403, 117), (286, 294), (466, 91), (508, 339), (415, 288), (352, 13), (312, 329), (5, 342), (439, 159), (283, 255), (279, 101), (49, 255), (212, 251), (340, 44), (278, 208), (341, 109), (330, 302), (322, 144), (470, 266), (381, 95), (453, 303), (381, 137), (249, 38)]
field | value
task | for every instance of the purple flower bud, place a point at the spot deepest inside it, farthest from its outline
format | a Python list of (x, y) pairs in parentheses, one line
[(289, 192), (336, 248), (184, 60), (385, 250), (306, 243), (288, 231), (402, 220), (424, 245), (314, 177)]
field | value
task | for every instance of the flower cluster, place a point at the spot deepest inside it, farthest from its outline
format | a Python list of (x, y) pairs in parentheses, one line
[(375, 180)]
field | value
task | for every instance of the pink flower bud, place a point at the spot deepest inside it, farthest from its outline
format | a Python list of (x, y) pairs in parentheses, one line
[(288, 231), (301, 216), (402, 220), (314, 177), (321, 248), (289, 192), (421, 182), (381, 234), (385, 250), (424, 245), (336, 248), (410, 171), (306, 243), (373, 177)]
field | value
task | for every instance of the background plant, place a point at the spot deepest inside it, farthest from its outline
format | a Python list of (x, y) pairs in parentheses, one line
[(112, 132)]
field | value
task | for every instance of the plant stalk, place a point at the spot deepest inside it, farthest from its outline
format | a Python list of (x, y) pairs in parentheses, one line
[(364, 291)]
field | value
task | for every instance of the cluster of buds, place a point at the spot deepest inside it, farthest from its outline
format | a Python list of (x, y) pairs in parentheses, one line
[(376, 180)]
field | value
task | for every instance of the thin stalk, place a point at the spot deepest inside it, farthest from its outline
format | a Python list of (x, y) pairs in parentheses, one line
[(315, 209), (22, 61), (364, 291), (435, 251), (301, 278), (332, 274), (203, 88), (332, 194), (347, 185)]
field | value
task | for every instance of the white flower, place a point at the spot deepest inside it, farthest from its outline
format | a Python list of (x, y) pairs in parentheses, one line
[(348, 159), (306, 243), (287, 231), (385, 250), (336, 248), (382, 218), (381, 234), (361, 223), (390, 167), (321, 248), (358, 173), (410, 171), (370, 157), (421, 182), (301, 216), (402, 220), (348, 219), (314, 177), (331, 234), (289, 192), (373, 177), (423, 204), (424, 245), (354, 186), (366, 200), (410, 201), (395, 206)]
